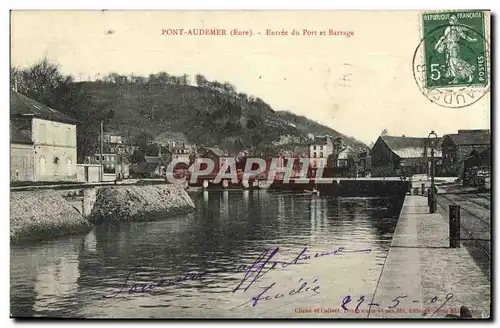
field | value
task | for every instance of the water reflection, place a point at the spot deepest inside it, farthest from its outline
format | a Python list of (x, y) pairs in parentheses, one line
[(44, 277), (68, 277)]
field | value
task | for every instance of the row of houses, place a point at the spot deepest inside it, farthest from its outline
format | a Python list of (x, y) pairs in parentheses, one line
[(155, 166), (118, 156), (394, 155), (338, 158), (43, 148), (402, 155)]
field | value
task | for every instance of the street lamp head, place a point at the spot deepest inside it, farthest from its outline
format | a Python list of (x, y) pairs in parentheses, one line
[(432, 139)]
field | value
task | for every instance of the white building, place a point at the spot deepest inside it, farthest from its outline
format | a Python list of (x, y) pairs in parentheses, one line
[(53, 135), (319, 150)]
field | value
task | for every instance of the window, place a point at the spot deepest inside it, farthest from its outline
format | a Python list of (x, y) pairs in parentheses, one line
[(321, 154), (56, 160), (68, 164), (320, 147), (97, 157), (43, 135), (342, 163), (69, 140), (314, 154), (42, 165), (314, 147)]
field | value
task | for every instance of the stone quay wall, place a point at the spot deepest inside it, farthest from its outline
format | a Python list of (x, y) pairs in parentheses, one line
[(46, 213), (139, 203)]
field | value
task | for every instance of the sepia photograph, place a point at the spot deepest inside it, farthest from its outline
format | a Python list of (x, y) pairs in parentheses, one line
[(250, 164)]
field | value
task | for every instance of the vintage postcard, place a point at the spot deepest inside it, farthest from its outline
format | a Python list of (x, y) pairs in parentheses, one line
[(250, 164)]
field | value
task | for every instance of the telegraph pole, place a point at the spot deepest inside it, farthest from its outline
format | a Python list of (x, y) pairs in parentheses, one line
[(102, 150)]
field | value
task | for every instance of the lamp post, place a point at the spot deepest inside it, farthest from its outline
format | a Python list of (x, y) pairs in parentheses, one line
[(101, 157), (431, 139)]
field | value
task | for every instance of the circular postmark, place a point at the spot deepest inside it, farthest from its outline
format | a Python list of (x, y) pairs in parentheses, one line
[(451, 64)]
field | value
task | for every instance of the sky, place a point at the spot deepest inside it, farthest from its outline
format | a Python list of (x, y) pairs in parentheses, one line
[(358, 85)]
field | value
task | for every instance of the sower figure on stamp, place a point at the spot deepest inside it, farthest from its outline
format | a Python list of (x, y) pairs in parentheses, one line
[(448, 43)]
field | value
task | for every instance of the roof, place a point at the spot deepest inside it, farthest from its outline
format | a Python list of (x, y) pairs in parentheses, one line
[(479, 159), (320, 141), (17, 136), (217, 151), (410, 147), (154, 160), (150, 163), (471, 137), (23, 106)]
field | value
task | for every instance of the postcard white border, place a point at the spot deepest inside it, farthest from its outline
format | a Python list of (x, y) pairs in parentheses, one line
[(185, 4)]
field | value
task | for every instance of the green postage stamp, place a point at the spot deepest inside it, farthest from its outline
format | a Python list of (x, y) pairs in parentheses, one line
[(453, 55)]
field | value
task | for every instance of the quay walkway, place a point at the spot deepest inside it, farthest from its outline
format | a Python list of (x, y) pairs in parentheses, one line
[(421, 272)]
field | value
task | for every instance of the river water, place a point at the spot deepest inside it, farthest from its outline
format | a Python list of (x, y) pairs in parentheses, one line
[(190, 266)]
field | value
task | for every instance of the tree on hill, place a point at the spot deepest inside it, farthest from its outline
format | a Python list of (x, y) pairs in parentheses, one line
[(184, 79), (164, 77), (201, 81), (229, 88), (146, 105), (41, 81), (243, 96), (143, 139)]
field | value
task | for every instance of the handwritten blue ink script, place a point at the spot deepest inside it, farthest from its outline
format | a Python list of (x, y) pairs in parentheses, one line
[(266, 262), (138, 288)]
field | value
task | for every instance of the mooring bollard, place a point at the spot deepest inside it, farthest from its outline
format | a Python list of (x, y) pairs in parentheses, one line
[(454, 212), (423, 189), (464, 312), (433, 206)]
